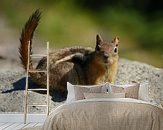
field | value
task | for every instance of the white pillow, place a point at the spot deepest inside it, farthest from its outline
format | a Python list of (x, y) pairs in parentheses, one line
[(144, 92), (106, 88), (76, 92), (130, 90), (104, 95), (70, 95)]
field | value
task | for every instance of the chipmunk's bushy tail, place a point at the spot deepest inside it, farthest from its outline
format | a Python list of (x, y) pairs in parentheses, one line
[(26, 36)]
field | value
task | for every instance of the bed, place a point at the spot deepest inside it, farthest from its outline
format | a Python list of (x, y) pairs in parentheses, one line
[(106, 107), (106, 114)]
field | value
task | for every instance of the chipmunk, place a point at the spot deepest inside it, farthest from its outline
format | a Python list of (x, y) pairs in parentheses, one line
[(77, 65)]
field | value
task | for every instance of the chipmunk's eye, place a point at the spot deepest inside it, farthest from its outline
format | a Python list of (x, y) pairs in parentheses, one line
[(115, 50)]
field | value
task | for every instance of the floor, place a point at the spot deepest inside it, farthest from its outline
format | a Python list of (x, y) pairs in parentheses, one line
[(15, 121), (17, 126)]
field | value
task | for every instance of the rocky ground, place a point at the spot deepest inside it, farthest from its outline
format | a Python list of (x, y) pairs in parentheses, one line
[(12, 84), (129, 71), (12, 76)]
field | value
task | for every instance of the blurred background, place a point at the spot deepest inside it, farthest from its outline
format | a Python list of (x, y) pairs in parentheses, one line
[(65, 23)]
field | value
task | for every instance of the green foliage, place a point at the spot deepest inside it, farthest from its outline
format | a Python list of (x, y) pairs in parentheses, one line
[(139, 26), (153, 38)]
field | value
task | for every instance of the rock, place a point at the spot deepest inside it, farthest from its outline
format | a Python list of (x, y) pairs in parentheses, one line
[(12, 84), (129, 71)]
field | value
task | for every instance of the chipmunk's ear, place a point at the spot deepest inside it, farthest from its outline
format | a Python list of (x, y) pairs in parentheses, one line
[(116, 41), (99, 41)]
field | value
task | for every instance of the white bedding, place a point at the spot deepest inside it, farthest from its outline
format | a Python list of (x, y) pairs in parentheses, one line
[(104, 114)]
